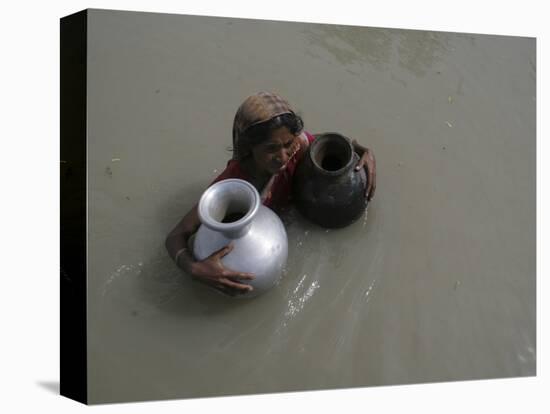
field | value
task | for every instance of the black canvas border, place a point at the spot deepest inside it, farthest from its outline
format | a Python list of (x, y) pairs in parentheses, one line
[(73, 203)]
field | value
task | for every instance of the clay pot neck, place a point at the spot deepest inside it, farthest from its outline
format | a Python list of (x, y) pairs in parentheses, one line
[(332, 154)]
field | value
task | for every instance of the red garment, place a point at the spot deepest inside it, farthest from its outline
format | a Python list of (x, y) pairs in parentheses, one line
[(282, 187)]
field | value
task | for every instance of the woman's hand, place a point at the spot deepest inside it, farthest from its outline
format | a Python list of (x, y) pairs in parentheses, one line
[(368, 162), (212, 272)]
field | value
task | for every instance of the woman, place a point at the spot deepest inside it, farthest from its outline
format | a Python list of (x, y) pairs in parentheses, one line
[(268, 142)]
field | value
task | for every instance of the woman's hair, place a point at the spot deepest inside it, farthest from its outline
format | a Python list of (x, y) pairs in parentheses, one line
[(259, 133)]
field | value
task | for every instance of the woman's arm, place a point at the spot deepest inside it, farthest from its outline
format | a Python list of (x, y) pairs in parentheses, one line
[(211, 269), (367, 161), (177, 241)]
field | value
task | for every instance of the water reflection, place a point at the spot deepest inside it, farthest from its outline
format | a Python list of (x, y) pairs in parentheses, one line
[(299, 298)]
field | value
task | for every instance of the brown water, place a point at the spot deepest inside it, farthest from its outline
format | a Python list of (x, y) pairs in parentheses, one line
[(437, 284)]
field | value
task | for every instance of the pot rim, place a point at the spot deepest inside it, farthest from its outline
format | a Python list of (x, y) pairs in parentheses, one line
[(321, 139), (234, 226)]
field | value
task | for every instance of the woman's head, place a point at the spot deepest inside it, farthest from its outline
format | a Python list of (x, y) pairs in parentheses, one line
[(264, 129), (272, 143)]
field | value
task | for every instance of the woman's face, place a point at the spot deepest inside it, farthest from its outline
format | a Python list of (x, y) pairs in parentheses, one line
[(272, 155)]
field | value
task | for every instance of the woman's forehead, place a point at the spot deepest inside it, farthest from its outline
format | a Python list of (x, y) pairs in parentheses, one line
[(280, 135)]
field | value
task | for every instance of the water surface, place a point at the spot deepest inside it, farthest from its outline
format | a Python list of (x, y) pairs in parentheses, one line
[(435, 283)]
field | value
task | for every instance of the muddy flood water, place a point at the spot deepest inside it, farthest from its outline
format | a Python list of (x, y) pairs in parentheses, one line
[(435, 283)]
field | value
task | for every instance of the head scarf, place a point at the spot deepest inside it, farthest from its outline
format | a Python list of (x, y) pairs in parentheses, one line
[(257, 108)]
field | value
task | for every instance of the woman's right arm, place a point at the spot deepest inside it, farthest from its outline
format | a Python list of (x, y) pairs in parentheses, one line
[(211, 269), (177, 241)]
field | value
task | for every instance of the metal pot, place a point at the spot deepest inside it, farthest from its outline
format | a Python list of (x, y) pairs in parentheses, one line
[(231, 212), (326, 188)]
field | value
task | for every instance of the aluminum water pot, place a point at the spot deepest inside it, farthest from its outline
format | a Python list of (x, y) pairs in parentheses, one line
[(231, 212)]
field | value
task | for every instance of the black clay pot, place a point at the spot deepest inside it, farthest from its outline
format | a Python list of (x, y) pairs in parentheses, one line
[(326, 188)]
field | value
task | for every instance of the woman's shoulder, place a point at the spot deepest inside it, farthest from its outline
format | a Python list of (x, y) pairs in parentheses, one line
[(310, 137), (305, 139), (233, 169)]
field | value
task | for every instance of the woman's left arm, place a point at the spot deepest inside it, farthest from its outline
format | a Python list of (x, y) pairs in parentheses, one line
[(367, 161)]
